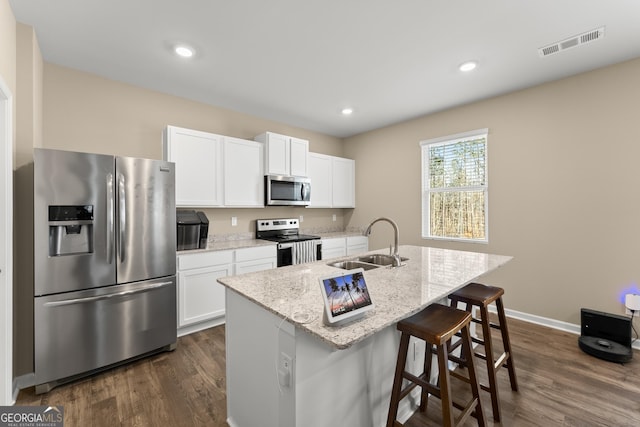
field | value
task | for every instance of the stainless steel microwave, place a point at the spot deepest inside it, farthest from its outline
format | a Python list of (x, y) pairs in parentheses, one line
[(286, 191)]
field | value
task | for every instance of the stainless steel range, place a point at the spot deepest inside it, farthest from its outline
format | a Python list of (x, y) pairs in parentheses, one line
[(293, 247)]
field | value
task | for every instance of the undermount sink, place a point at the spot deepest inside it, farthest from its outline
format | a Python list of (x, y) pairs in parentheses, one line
[(367, 262), (379, 259), (351, 264)]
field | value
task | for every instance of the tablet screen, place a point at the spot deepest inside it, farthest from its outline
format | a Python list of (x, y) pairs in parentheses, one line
[(345, 295)]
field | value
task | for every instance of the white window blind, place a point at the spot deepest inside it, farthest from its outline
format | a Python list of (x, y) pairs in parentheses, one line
[(454, 187)]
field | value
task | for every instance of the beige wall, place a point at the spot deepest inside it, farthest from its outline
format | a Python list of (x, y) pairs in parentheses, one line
[(29, 67), (29, 81), (7, 44), (564, 188), (84, 112)]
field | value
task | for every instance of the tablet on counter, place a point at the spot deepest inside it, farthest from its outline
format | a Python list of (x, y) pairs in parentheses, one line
[(346, 297)]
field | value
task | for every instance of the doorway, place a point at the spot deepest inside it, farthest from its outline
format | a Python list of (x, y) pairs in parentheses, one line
[(6, 244)]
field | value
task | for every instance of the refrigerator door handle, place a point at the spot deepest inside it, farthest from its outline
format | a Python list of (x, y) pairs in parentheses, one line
[(122, 217), (107, 296), (110, 220)]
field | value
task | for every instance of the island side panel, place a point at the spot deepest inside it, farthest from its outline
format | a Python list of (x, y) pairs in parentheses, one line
[(255, 338), (350, 387)]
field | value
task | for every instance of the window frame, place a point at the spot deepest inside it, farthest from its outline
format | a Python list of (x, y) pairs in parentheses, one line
[(427, 190)]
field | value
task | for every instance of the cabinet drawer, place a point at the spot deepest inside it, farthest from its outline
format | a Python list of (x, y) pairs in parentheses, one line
[(333, 243), (204, 259), (357, 240), (258, 252)]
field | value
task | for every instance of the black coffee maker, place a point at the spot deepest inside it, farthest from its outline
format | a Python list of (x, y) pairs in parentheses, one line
[(192, 228)]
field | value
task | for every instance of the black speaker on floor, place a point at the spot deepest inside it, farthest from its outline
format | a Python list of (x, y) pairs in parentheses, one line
[(605, 336)]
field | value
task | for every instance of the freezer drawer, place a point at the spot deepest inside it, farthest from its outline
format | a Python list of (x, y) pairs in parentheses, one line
[(78, 332)]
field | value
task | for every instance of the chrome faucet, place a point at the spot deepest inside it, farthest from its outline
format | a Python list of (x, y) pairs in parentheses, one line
[(395, 255)]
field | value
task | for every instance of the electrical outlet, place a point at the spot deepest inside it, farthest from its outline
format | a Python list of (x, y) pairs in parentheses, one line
[(285, 370), (301, 218), (333, 217), (234, 221)]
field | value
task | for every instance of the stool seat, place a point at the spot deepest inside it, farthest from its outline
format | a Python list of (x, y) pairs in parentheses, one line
[(478, 293), (436, 325), (481, 296)]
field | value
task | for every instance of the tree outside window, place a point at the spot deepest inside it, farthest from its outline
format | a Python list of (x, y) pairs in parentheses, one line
[(454, 187)]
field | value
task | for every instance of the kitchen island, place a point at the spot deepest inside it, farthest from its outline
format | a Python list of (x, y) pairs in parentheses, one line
[(286, 368)]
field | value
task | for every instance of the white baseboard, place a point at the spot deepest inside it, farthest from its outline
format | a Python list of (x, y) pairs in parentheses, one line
[(186, 330), (551, 323)]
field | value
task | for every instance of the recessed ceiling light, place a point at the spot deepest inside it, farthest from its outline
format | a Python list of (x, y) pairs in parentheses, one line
[(468, 66), (347, 111), (184, 51)]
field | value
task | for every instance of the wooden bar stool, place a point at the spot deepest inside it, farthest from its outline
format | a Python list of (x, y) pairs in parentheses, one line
[(481, 296), (436, 325)]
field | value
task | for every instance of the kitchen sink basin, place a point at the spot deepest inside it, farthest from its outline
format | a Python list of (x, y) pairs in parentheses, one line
[(379, 259), (366, 262), (351, 264)]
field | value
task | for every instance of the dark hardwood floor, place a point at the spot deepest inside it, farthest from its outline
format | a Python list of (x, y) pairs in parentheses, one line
[(559, 386)]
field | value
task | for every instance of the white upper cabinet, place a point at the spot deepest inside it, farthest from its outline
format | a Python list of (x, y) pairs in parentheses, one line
[(299, 153), (332, 181), (198, 159), (214, 170), (243, 173), (344, 183), (321, 182), (285, 155)]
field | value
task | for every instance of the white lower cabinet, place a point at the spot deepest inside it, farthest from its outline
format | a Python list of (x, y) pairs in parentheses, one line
[(357, 245), (342, 246), (200, 296), (256, 259), (201, 299), (334, 247)]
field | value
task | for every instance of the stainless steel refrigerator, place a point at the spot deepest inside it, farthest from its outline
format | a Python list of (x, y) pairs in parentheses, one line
[(104, 262)]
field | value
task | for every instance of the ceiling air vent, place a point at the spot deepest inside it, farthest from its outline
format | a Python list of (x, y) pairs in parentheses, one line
[(580, 39)]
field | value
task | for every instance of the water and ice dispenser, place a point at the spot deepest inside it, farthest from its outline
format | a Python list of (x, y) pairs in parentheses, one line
[(70, 230)]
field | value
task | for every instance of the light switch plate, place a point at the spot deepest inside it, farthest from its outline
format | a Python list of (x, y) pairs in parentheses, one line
[(234, 221)]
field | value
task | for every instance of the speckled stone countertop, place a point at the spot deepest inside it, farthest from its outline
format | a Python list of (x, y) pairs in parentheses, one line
[(429, 275), (225, 245), (246, 240)]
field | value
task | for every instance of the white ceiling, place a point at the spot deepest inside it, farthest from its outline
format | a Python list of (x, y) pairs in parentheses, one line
[(301, 61)]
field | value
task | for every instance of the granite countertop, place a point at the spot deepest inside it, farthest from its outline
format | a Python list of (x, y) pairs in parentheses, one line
[(225, 245), (246, 240), (429, 275)]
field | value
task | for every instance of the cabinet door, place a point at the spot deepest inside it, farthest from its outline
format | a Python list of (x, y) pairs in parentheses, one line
[(198, 159), (299, 151), (333, 248), (321, 180), (243, 173), (357, 245), (200, 296), (277, 157), (344, 194)]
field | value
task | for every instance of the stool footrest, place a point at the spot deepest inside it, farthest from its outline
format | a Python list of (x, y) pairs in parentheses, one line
[(467, 410), (460, 377), (419, 381)]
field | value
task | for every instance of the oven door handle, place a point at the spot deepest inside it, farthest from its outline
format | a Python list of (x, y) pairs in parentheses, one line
[(285, 245)]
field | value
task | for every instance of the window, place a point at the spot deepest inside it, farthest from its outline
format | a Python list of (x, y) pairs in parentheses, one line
[(454, 187)]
